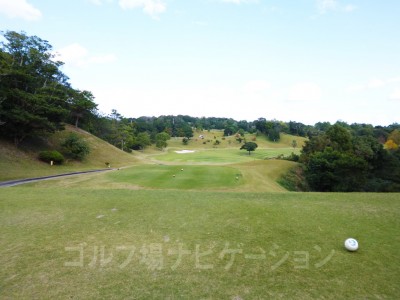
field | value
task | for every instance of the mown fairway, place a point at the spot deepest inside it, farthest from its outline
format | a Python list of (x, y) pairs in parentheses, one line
[(82, 243), (178, 176)]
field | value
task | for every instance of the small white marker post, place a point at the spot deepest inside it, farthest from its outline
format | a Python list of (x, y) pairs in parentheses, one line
[(51, 163)]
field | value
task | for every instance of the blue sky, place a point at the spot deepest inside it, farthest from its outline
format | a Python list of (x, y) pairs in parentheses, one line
[(301, 60)]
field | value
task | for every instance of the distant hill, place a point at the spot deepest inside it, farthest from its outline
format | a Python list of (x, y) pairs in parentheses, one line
[(22, 162)]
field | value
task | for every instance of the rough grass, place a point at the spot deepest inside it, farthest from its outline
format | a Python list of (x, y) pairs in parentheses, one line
[(196, 245), (230, 141), (23, 162)]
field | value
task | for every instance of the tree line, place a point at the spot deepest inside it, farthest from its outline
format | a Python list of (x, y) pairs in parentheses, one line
[(35, 96), (348, 158)]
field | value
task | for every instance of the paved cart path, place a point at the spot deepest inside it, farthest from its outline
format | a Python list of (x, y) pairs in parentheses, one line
[(28, 180)]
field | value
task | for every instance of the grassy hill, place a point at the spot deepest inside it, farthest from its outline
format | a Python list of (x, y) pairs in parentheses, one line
[(209, 137), (22, 162)]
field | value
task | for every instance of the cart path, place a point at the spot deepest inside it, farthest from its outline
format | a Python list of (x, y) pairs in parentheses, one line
[(28, 180)]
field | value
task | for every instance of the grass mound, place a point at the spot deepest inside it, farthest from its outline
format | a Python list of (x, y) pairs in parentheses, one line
[(23, 162)]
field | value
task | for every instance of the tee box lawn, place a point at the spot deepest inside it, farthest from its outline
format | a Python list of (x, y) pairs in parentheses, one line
[(91, 243)]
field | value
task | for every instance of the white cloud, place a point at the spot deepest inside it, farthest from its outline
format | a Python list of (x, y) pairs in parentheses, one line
[(78, 56), (240, 1), (100, 2), (305, 91), (150, 7), (324, 6), (374, 83), (393, 80), (256, 86), (19, 9), (395, 95), (96, 2), (200, 23), (349, 8)]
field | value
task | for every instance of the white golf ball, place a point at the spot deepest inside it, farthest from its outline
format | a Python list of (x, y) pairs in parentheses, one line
[(351, 244)]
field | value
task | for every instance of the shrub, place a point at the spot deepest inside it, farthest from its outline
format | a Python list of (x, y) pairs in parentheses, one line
[(294, 180), (292, 157), (48, 156), (75, 147)]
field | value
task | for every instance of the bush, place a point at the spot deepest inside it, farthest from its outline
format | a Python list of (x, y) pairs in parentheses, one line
[(294, 180), (48, 156), (292, 157), (75, 147)]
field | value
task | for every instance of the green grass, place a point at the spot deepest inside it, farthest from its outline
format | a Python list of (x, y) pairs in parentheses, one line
[(230, 141), (225, 156), (37, 224), (172, 177), (145, 234), (17, 163), (253, 176)]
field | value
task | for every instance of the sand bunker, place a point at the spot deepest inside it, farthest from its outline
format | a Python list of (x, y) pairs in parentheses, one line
[(184, 151)]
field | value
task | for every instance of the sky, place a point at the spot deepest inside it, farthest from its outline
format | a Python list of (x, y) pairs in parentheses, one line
[(292, 60)]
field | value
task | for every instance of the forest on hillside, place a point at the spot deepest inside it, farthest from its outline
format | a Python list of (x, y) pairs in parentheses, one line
[(36, 99)]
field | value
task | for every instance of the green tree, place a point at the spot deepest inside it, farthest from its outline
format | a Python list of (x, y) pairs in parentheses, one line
[(339, 138), (186, 131), (241, 132), (274, 135), (141, 141), (273, 129), (32, 87), (334, 171), (75, 147), (124, 136), (161, 140), (81, 104), (249, 146)]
